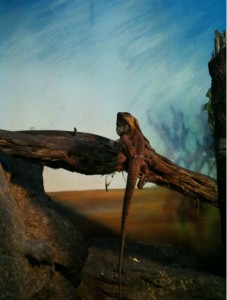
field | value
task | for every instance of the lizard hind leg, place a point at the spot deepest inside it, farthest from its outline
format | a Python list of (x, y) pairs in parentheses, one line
[(141, 183), (142, 180)]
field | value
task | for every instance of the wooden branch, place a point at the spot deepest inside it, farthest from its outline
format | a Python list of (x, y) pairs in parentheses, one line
[(91, 154)]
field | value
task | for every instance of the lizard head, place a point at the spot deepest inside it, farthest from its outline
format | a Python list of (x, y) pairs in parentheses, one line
[(126, 123)]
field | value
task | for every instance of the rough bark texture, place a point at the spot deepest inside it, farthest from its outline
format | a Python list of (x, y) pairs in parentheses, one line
[(217, 69), (41, 253), (151, 272), (91, 154)]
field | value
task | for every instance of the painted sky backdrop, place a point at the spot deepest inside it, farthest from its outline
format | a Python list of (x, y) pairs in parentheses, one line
[(67, 64)]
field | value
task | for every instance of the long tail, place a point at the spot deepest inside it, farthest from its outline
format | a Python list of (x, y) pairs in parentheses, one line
[(125, 212), (130, 187)]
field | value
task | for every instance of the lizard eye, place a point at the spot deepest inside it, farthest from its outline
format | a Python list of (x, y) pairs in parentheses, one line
[(119, 130), (122, 129)]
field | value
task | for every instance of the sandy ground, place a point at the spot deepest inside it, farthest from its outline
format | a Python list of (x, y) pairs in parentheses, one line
[(156, 215)]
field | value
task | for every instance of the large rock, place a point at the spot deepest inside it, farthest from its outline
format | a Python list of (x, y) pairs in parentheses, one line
[(151, 272), (41, 252)]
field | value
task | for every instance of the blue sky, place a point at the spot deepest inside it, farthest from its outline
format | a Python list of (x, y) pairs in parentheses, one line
[(77, 63)]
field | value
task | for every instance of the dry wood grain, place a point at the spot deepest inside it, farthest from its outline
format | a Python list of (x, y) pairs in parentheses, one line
[(91, 154)]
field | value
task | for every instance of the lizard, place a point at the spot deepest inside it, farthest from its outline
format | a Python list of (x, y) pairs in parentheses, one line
[(133, 142)]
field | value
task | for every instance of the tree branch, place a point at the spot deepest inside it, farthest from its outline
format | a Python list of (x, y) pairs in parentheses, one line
[(91, 154)]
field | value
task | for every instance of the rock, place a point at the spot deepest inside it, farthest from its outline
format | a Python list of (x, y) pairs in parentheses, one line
[(150, 272), (41, 252)]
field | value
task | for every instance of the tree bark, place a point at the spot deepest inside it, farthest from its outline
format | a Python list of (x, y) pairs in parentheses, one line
[(91, 154), (217, 70)]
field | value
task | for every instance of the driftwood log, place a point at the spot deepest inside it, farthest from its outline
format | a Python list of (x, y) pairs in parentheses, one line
[(91, 154)]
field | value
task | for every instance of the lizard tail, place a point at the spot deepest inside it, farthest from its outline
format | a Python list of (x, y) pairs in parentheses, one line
[(125, 211)]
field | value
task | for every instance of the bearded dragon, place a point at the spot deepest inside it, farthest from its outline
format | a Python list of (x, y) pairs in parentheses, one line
[(133, 142)]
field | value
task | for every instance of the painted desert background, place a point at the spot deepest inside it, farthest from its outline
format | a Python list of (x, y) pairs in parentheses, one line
[(157, 215)]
